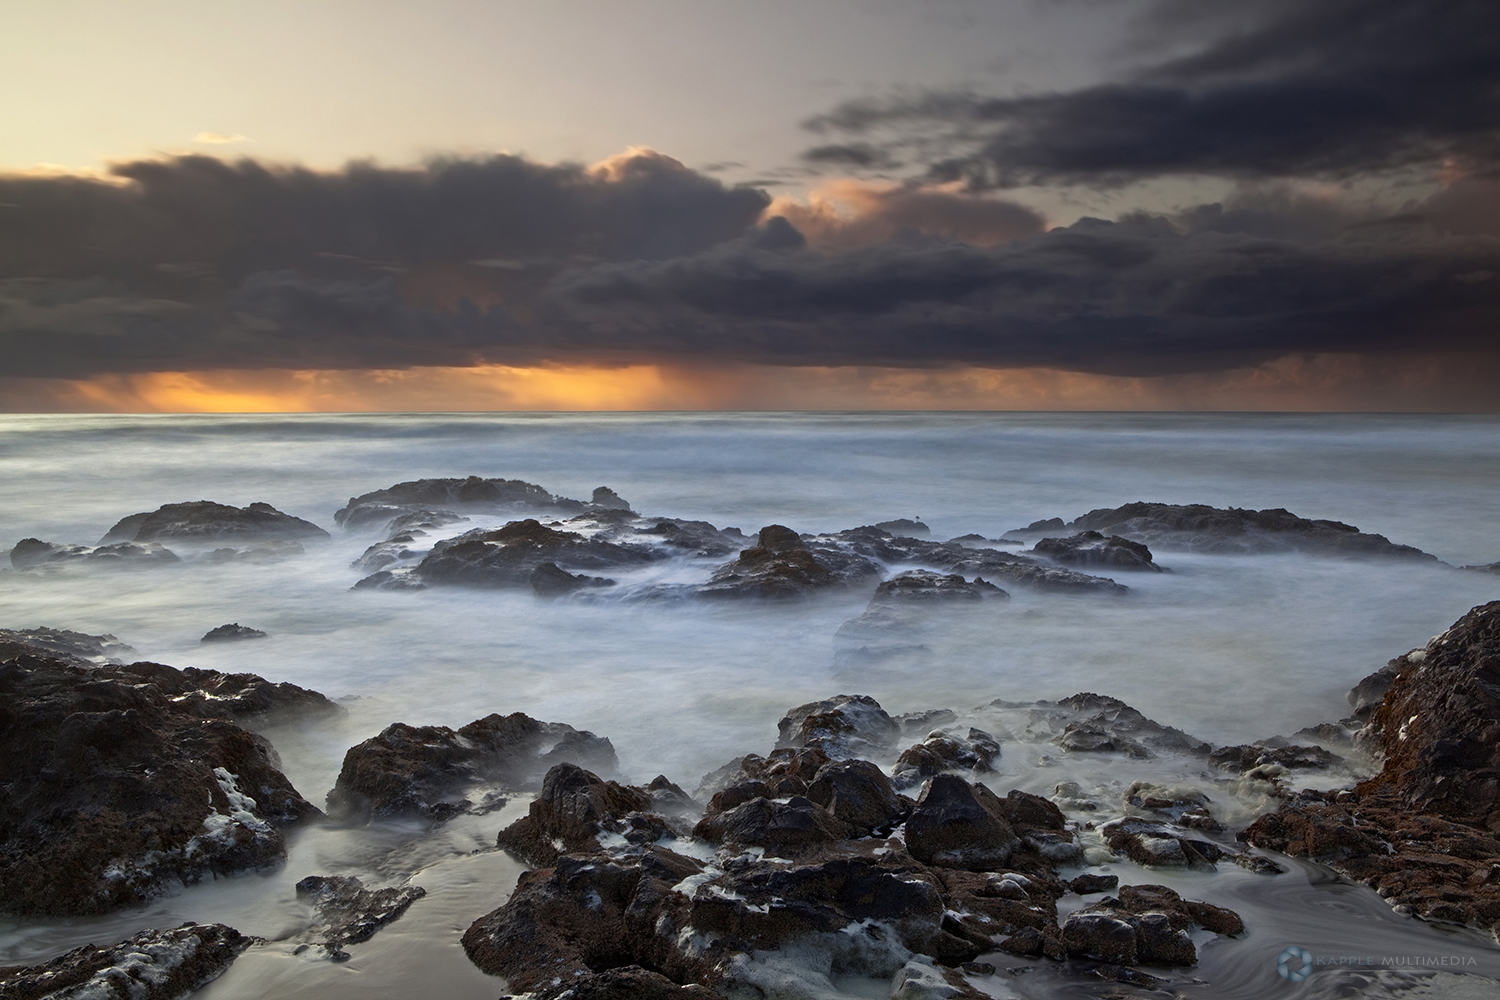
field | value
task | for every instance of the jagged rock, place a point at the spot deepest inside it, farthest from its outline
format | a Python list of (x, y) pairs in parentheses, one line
[(958, 825), (925, 585), (573, 808), (702, 925), (232, 633), (629, 982), (152, 965), (920, 981), (696, 538), (1157, 844), (1242, 759), (859, 794), (786, 771), (118, 788), (472, 493), (945, 752), (348, 913), (921, 723), (782, 565), (606, 497), (206, 521), (1200, 528), (784, 828), (846, 725), (1018, 571), (403, 530), (431, 770), (1090, 548), (1158, 921), (1093, 723), (63, 644), (905, 527), (1089, 883), (1367, 695), (1424, 830), (30, 553)]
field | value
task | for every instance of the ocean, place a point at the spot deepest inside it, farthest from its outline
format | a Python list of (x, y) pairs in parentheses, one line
[(1228, 648)]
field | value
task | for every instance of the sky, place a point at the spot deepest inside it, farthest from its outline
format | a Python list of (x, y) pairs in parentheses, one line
[(355, 205)]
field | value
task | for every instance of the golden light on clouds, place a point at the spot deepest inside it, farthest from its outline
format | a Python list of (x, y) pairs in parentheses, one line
[(220, 138), (1328, 382)]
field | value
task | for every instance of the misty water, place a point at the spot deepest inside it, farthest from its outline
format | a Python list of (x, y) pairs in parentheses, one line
[(1228, 648)]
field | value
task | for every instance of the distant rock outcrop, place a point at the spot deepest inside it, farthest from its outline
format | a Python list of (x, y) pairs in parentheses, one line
[(206, 521), (234, 632)]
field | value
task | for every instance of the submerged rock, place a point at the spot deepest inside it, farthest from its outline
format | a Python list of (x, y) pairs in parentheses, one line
[(232, 633), (30, 553), (1425, 831), (152, 965), (122, 781), (431, 771), (348, 913), (905, 527), (1094, 723), (206, 521), (573, 809), (925, 585), (1090, 548), (1200, 528), (1145, 924), (945, 752)]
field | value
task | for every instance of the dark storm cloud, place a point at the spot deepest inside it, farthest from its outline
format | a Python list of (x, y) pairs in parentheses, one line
[(1329, 89), (198, 264), (1142, 296)]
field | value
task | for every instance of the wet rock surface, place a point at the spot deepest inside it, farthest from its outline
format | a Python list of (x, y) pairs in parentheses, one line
[(1090, 548), (64, 644), (33, 553), (437, 772), (1425, 831), (847, 725), (348, 913), (233, 632), (940, 752), (152, 965), (206, 521), (1200, 528), (124, 780), (574, 808), (782, 565), (469, 493), (1094, 723)]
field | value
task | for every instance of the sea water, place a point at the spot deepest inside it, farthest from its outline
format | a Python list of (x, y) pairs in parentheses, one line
[(1227, 648)]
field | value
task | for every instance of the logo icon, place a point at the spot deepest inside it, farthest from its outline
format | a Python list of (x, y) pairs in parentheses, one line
[(1299, 955)]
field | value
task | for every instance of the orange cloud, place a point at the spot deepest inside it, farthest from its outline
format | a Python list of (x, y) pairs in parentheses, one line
[(1328, 382)]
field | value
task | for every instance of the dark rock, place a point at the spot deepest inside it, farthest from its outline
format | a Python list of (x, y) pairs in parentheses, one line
[(1200, 528), (206, 521), (473, 493), (786, 771), (549, 581), (944, 752), (925, 585), (348, 913), (859, 794), (630, 982), (152, 965), (784, 828), (260, 554), (918, 980), (431, 770), (1425, 831), (1158, 921), (1093, 723), (1099, 936), (1242, 759), (1090, 548), (606, 497), (846, 725), (958, 825), (63, 644), (1089, 883), (1157, 844), (782, 565), (1018, 571), (232, 633), (905, 527), (1367, 695), (30, 553), (118, 788), (509, 556), (572, 809)]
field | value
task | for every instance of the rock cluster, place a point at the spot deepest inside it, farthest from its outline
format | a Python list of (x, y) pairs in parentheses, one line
[(348, 913), (1425, 831), (432, 771), (1200, 528), (1090, 548), (152, 965), (122, 780), (206, 521)]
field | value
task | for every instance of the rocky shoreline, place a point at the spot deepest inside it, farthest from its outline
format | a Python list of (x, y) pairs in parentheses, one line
[(860, 842)]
